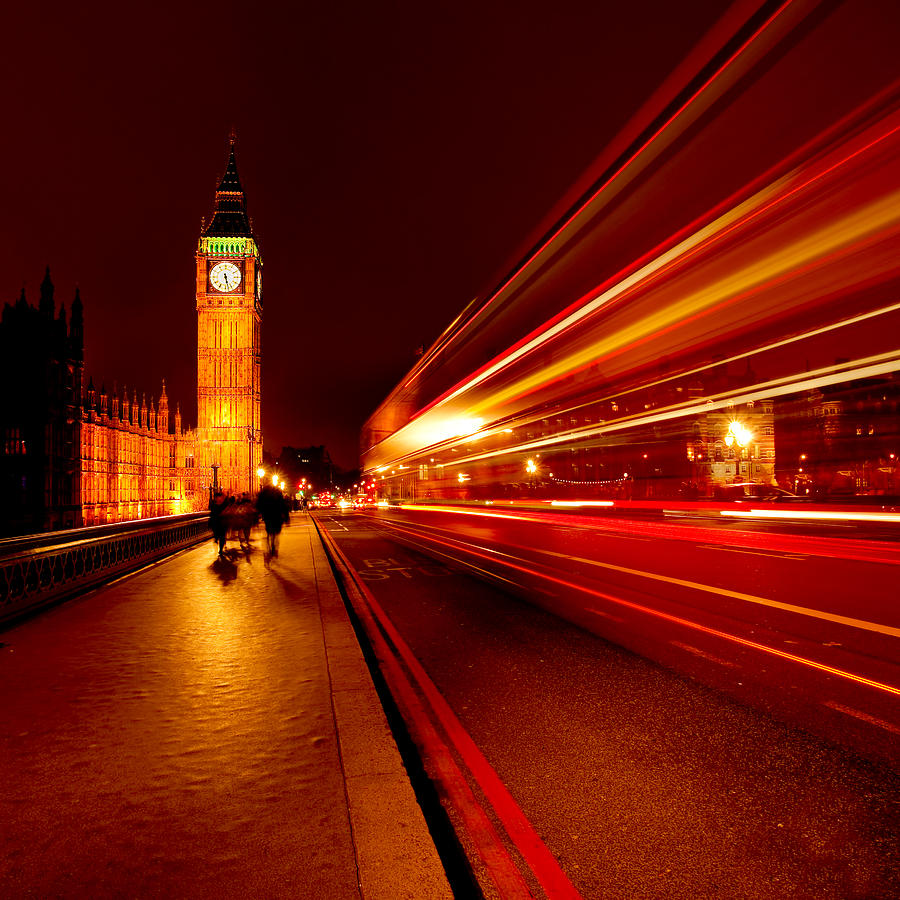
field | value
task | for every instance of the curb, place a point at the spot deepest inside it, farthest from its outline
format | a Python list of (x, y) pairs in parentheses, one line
[(395, 853)]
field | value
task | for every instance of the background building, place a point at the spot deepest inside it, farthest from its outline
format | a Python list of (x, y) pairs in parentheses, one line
[(41, 365)]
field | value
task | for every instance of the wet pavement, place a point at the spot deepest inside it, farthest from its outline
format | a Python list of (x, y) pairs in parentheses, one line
[(206, 727)]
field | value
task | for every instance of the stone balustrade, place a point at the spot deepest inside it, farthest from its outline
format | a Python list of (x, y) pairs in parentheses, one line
[(37, 570)]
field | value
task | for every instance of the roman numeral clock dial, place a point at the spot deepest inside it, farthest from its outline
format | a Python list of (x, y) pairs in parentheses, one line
[(225, 277)]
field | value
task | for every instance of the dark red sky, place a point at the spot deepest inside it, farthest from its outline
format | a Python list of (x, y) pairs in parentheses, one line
[(395, 156)]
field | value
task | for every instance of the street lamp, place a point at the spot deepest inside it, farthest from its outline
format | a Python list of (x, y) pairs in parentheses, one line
[(531, 468), (740, 435)]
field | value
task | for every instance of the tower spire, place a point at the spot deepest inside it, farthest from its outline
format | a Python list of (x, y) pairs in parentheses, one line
[(230, 214)]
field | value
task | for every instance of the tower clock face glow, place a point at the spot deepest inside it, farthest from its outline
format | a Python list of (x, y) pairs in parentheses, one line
[(225, 277)]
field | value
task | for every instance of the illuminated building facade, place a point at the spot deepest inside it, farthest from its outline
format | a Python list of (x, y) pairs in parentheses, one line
[(132, 465), (229, 311)]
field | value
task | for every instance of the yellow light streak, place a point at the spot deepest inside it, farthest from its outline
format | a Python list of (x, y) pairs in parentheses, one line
[(611, 424), (858, 225), (791, 256), (624, 286), (880, 364)]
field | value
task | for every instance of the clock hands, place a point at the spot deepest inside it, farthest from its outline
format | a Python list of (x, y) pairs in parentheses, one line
[(225, 277)]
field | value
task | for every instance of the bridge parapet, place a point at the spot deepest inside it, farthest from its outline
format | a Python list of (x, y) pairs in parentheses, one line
[(37, 570)]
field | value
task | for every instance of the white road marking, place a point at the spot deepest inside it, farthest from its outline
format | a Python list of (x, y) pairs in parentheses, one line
[(859, 714), (606, 615), (702, 654)]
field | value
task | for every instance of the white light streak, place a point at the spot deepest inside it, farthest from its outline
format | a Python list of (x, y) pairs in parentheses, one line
[(821, 515)]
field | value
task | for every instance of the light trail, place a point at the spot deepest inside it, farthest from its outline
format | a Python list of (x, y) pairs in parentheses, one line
[(631, 421), (659, 614), (832, 548), (862, 624), (837, 236), (876, 627), (840, 238), (632, 159), (741, 216), (813, 515), (868, 367), (815, 245)]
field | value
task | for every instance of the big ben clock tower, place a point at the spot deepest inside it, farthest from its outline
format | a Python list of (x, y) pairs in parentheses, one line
[(228, 449)]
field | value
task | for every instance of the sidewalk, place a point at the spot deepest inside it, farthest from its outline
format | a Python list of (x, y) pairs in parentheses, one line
[(205, 728)]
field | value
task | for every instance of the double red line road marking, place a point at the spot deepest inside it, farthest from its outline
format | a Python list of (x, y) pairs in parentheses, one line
[(432, 724)]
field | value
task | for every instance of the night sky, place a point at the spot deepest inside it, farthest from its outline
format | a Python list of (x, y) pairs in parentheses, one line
[(397, 158)]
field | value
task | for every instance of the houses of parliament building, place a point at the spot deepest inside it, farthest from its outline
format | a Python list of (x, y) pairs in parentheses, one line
[(72, 454)]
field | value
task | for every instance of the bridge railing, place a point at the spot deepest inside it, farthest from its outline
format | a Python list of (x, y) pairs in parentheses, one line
[(40, 569)]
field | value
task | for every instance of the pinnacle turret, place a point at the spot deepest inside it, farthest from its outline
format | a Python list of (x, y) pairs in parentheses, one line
[(46, 304)]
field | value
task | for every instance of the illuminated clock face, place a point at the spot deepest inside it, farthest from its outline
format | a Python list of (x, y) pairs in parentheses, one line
[(225, 277)]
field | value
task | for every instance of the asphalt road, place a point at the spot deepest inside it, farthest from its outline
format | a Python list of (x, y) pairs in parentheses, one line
[(803, 626), (642, 782)]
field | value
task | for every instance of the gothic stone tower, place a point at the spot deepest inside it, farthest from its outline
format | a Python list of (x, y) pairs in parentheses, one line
[(229, 311)]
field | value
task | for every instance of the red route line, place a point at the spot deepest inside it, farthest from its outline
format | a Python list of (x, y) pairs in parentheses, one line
[(696, 626), (500, 866), (541, 861)]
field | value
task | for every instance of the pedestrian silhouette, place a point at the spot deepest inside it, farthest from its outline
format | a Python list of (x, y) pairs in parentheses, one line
[(219, 527), (273, 509)]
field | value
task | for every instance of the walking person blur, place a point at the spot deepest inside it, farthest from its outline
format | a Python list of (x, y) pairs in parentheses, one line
[(273, 508), (219, 527)]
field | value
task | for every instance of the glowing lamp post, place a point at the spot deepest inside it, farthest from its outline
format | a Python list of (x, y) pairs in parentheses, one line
[(738, 435), (531, 468)]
